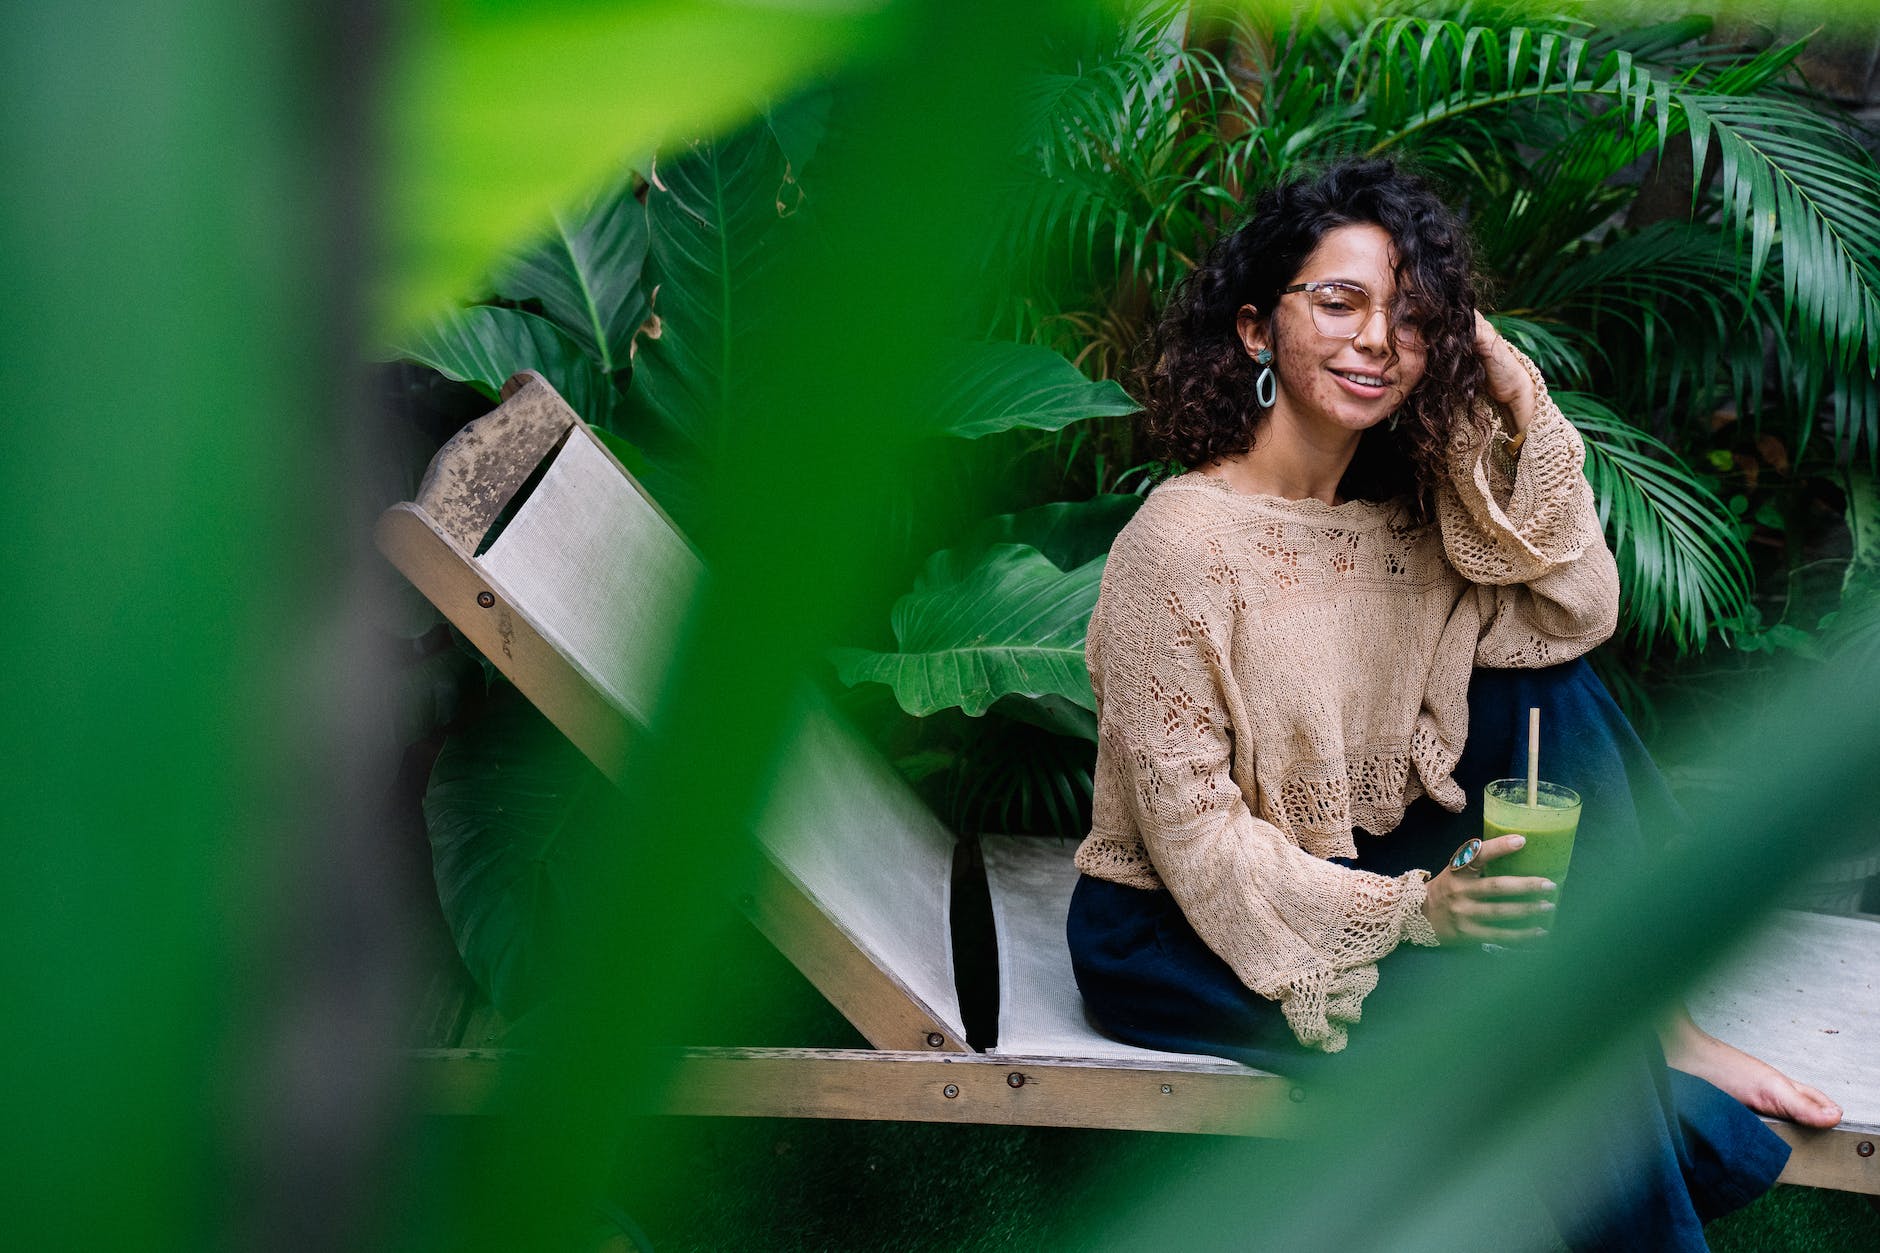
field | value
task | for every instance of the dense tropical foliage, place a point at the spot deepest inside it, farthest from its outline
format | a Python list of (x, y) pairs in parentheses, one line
[(1685, 240), (1661, 306), (1678, 232)]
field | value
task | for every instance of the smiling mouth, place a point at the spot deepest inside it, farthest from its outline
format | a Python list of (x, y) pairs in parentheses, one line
[(1363, 380)]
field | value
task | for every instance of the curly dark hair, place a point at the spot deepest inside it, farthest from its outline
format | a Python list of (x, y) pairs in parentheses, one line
[(1196, 381)]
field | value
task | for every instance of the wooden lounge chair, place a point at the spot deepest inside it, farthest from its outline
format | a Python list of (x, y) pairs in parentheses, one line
[(857, 888)]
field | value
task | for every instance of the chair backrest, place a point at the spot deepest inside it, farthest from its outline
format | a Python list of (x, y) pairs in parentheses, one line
[(578, 600)]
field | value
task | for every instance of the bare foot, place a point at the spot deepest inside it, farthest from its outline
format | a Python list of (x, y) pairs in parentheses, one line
[(1750, 1080)]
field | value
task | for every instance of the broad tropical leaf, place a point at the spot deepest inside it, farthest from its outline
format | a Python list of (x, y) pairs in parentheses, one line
[(1068, 533), (508, 801), (1053, 713), (1013, 624), (586, 273), (484, 345), (999, 386), (499, 112), (1681, 563), (799, 124), (710, 211)]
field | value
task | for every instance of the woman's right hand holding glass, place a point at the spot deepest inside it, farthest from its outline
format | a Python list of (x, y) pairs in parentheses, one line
[(1466, 907)]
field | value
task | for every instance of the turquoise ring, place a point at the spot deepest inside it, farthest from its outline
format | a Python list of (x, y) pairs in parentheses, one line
[(1464, 858)]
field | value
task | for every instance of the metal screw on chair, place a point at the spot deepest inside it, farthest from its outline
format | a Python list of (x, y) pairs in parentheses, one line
[(1864, 1148), (1015, 1080), (950, 1091), (485, 599), (1167, 1088), (935, 1039), (1298, 1096)]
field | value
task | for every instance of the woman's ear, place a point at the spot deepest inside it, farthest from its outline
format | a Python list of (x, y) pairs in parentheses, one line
[(1252, 329)]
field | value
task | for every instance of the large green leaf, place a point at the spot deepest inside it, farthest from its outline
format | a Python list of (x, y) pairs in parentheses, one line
[(1013, 624), (1682, 564), (509, 802), (999, 386), (799, 124), (484, 345), (1069, 533), (710, 211), (586, 273), (1053, 713), (497, 113)]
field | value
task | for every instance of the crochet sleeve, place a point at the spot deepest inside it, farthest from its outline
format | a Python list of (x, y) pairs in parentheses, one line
[(1525, 530), (1294, 928)]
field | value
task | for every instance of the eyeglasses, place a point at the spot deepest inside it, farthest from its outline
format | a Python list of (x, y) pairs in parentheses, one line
[(1341, 310)]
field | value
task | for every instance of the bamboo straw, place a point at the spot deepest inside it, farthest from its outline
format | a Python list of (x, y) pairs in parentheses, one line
[(1534, 757)]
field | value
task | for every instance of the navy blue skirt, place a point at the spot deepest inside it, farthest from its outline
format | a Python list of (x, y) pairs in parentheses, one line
[(1147, 978)]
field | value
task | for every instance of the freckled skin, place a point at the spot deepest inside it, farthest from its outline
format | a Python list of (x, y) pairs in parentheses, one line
[(1310, 396)]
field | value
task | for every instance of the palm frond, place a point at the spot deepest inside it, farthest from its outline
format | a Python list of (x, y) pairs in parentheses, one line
[(1682, 565), (1676, 290), (1855, 413), (1012, 777), (1549, 343), (1790, 180)]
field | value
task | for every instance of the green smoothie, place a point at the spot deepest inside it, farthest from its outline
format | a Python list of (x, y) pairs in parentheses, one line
[(1549, 827)]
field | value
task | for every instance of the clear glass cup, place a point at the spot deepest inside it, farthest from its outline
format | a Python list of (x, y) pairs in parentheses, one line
[(1549, 827)]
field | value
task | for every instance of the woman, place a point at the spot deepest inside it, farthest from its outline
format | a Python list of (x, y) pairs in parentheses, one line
[(1308, 653)]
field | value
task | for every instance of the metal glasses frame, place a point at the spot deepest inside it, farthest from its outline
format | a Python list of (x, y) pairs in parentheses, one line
[(1339, 283)]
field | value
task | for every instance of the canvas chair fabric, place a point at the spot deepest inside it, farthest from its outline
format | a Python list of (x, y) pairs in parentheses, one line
[(603, 576), (1040, 1011)]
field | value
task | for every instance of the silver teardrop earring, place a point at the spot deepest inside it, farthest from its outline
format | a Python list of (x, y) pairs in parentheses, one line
[(1265, 386), (1393, 421)]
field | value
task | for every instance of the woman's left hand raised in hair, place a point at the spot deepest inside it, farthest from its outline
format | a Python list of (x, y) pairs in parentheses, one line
[(1508, 381)]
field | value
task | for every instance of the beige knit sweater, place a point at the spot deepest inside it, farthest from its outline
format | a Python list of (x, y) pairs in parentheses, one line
[(1271, 673)]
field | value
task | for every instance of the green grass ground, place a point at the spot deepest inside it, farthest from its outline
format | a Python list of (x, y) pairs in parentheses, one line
[(797, 1186)]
